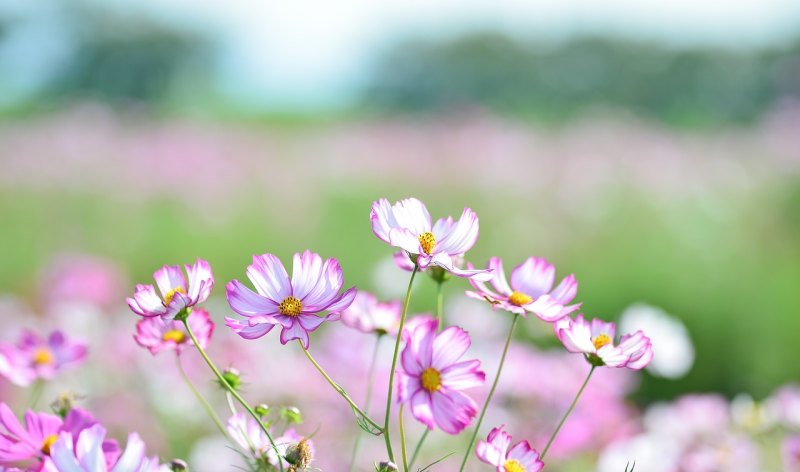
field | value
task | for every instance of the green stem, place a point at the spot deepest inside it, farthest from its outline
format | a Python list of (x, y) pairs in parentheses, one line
[(339, 389), (468, 453), (402, 438), (394, 365), (232, 391), (561, 423), (36, 394), (368, 401), (211, 413)]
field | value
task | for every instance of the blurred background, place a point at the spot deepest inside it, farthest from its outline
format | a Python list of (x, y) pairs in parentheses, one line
[(651, 149)]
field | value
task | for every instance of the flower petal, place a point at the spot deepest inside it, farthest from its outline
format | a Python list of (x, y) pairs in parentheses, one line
[(527, 456), (452, 410), (534, 277), (169, 278), (449, 346), (463, 375), (248, 303), (422, 408), (201, 281), (246, 331), (296, 331), (269, 277), (462, 234)]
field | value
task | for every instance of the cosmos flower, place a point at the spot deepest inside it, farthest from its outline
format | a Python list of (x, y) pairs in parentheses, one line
[(247, 433), (408, 225), (596, 341), (790, 450), (34, 440), (159, 335), (84, 453), (432, 377), (668, 335), (294, 304), (176, 295), (521, 457), (530, 291), (34, 357), (368, 315)]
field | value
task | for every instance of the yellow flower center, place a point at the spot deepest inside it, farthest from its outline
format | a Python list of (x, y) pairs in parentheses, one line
[(601, 340), (513, 465), (171, 294), (48, 442), (43, 356), (428, 241), (519, 298), (290, 306), (431, 379), (175, 335)]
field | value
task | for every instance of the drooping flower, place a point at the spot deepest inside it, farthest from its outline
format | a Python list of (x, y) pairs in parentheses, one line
[(247, 433), (34, 357), (432, 377), (176, 294), (368, 315), (33, 442), (158, 335), (84, 453), (408, 225), (294, 304), (530, 291), (521, 457), (595, 340)]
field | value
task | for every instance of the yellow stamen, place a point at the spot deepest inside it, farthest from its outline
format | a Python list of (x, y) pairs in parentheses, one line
[(43, 356), (431, 379), (519, 298), (513, 465), (290, 306), (48, 442), (428, 241), (171, 294), (175, 335), (601, 340)]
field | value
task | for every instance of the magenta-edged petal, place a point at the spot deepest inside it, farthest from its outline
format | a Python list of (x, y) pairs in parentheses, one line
[(269, 319), (312, 322), (9, 421), (306, 273), (546, 308), (599, 327), (403, 261), (534, 277), (639, 348), (409, 361), (269, 277), (406, 240), (412, 214), (131, 460), (577, 337), (407, 385), (341, 302), (463, 375), (248, 303), (146, 301), (382, 219), (62, 454), (481, 275), (246, 331), (493, 450), (452, 410), (422, 408), (462, 234), (326, 288), (498, 279), (422, 343), (613, 356), (442, 228), (169, 278), (201, 281), (527, 456), (449, 346), (178, 303), (296, 331), (566, 290), (641, 359)]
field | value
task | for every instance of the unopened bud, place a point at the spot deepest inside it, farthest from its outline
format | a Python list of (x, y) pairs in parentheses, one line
[(386, 467), (262, 410), (64, 403), (232, 377), (178, 465), (299, 455), (291, 414)]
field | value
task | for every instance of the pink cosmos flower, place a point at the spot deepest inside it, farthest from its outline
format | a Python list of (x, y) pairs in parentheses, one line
[(432, 376), (34, 440), (84, 453), (34, 357), (531, 290), (159, 335), (495, 451), (368, 315), (176, 295), (790, 450), (408, 225), (294, 304), (248, 435), (596, 341)]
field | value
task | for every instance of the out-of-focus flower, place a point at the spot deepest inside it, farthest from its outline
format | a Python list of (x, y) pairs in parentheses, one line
[(294, 304), (521, 457), (369, 315), (432, 377), (596, 341), (668, 336), (531, 289), (34, 357), (785, 405), (84, 453), (157, 334), (78, 278), (247, 433), (176, 294), (790, 450), (750, 415), (34, 441), (407, 225)]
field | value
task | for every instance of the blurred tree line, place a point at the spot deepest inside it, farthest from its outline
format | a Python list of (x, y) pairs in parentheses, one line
[(558, 81)]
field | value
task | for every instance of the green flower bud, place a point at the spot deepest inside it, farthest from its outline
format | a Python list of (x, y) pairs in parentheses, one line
[(178, 465), (262, 410), (386, 467), (233, 378), (291, 415)]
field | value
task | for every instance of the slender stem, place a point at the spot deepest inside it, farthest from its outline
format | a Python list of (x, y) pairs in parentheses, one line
[(367, 401), (232, 391), (402, 438), (468, 453), (394, 365), (339, 389), (561, 423), (211, 413), (36, 393)]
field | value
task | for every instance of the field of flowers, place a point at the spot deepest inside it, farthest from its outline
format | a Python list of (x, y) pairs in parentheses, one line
[(686, 239)]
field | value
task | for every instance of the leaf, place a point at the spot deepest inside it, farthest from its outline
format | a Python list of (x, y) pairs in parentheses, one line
[(435, 462)]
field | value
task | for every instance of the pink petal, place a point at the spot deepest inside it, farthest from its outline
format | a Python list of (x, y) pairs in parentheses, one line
[(533, 277), (452, 410), (246, 331), (498, 280), (248, 303), (169, 278), (527, 456), (382, 219), (462, 234), (449, 346), (201, 281), (269, 277), (565, 291), (422, 409), (463, 375), (296, 331), (306, 272)]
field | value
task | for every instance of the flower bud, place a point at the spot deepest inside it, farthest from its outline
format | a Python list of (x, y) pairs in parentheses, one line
[(299, 455), (178, 465), (262, 410), (291, 414), (386, 467), (232, 377), (64, 403)]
